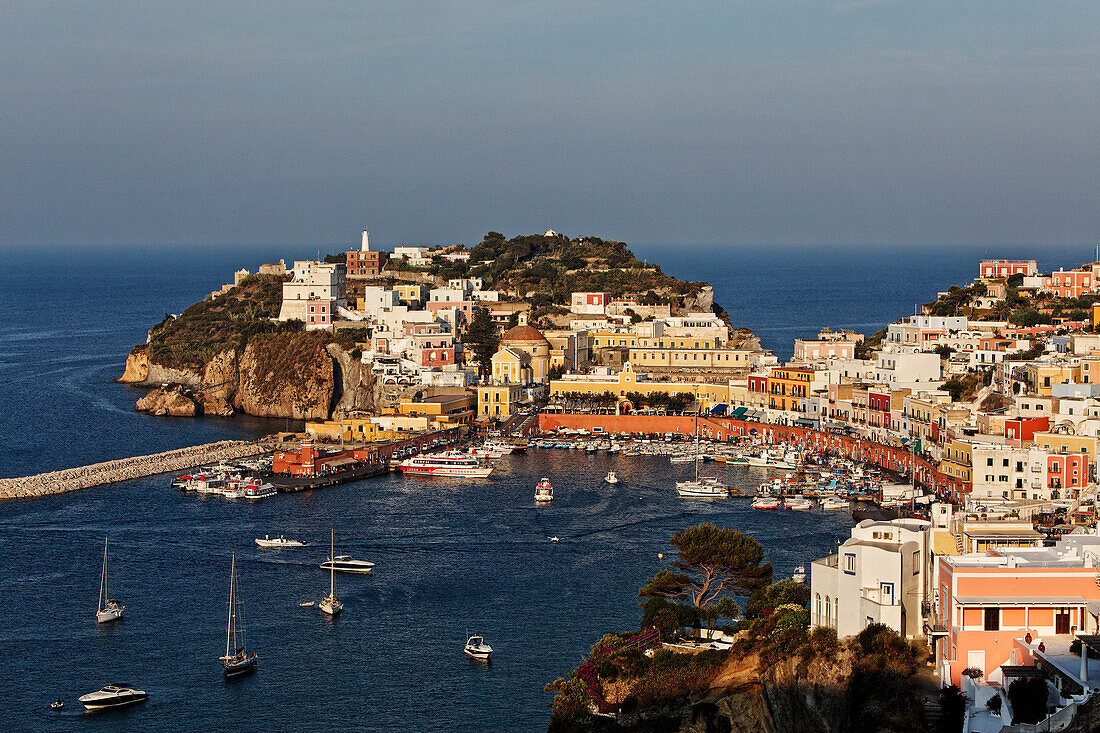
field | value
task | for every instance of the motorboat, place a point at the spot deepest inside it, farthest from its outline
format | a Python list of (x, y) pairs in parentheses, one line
[(108, 610), (344, 564), (307, 604), (57, 705), (255, 489), (450, 464), (476, 648), (544, 492), (799, 574), (279, 542), (237, 661), (112, 696), (799, 504), (765, 503), (701, 490), (611, 478), (834, 503)]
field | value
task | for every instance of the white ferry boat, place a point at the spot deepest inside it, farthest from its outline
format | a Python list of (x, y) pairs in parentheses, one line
[(453, 464)]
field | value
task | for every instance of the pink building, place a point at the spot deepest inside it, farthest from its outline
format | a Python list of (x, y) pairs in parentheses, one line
[(1005, 268), (988, 602), (805, 349), (320, 312), (1067, 471)]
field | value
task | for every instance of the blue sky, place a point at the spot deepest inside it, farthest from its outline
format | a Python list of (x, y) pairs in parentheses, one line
[(747, 123)]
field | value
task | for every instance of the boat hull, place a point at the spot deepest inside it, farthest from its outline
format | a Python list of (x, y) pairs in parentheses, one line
[(111, 703), (446, 472), (239, 668)]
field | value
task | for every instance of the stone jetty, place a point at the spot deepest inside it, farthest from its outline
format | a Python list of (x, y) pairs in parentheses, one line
[(125, 469)]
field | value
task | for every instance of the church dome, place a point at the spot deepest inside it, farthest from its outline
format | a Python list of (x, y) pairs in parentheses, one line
[(523, 332)]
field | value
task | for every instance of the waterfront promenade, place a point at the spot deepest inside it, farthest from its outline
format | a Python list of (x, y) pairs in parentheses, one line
[(724, 429), (125, 469)]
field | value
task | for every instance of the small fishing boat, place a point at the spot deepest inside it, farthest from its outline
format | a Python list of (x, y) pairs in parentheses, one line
[(237, 661), (330, 605), (544, 492), (307, 604), (611, 478), (834, 503), (278, 542), (112, 696), (799, 504), (476, 648), (765, 503), (108, 610), (57, 705)]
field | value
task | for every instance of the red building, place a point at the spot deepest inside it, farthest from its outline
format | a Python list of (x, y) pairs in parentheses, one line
[(1070, 283), (1069, 471), (366, 264), (1020, 429), (1005, 268), (310, 461)]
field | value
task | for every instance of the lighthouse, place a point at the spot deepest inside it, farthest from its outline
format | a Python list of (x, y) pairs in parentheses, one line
[(366, 241)]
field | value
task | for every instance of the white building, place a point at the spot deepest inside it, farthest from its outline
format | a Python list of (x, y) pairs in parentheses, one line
[(893, 368), (880, 575), (316, 284), (378, 299)]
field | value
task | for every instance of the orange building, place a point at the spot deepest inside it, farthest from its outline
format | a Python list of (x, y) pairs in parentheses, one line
[(987, 602)]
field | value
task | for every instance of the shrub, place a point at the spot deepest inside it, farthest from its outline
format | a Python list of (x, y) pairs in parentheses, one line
[(1029, 699), (994, 704), (571, 699), (952, 710)]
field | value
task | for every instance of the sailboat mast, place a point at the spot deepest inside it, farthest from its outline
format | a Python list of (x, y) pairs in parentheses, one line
[(103, 577), (332, 564), (232, 584)]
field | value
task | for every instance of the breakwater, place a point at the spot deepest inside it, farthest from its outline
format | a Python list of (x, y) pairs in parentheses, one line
[(125, 469)]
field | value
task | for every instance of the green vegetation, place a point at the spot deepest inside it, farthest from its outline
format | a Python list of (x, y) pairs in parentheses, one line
[(1028, 698), (483, 340), (881, 693), (549, 269), (711, 562), (208, 327), (865, 347)]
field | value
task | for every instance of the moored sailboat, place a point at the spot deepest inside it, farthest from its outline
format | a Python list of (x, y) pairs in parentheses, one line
[(108, 610), (330, 605), (238, 661)]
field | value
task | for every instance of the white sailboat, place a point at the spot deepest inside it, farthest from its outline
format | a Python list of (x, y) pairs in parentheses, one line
[(237, 660), (330, 605), (700, 489), (108, 610)]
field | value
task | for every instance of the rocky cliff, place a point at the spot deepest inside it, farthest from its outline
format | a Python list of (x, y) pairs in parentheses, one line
[(302, 376)]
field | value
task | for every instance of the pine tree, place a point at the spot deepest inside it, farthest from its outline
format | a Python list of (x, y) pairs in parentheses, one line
[(483, 340)]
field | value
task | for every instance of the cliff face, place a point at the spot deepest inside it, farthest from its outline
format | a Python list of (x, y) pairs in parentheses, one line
[(784, 698), (141, 371), (300, 376), (285, 376)]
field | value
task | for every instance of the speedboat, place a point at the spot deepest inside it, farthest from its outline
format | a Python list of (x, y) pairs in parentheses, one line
[(344, 564), (278, 542), (544, 492), (476, 648), (611, 478), (799, 574), (765, 502), (112, 696)]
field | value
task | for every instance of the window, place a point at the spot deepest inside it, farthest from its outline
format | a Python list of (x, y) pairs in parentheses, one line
[(850, 564), (916, 562), (992, 619)]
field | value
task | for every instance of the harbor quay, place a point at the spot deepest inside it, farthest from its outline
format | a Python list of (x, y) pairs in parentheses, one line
[(126, 469), (729, 429)]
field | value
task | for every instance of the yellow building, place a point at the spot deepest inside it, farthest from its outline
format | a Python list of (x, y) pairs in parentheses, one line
[(655, 357), (1041, 377), (362, 430), (1062, 443), (957, 460), (411, 293), (788, 387), (444, 409), (627, 381), (530, 348), (498, 400)]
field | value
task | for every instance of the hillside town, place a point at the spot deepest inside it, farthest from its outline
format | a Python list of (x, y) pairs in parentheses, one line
[(986, 402)]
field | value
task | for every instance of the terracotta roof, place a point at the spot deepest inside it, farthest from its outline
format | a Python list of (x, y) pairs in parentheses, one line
[(522, 333)]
